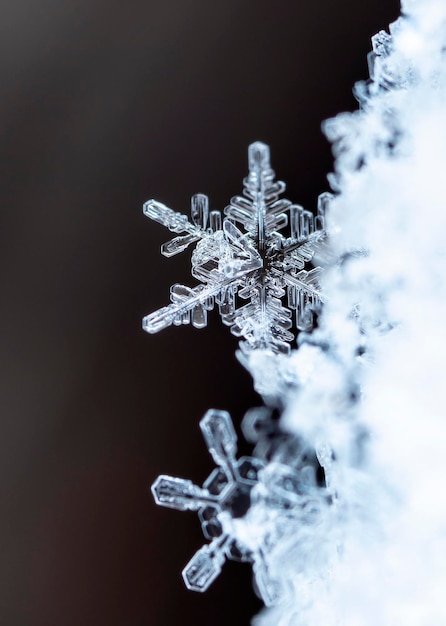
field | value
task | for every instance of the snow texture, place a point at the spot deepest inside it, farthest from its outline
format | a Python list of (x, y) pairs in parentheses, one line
[(370, 391)]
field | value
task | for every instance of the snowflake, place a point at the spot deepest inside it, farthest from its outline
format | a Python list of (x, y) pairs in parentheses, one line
[(246, 257), (246, 507)]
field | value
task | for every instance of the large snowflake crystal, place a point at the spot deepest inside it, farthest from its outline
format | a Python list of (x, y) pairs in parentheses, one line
[(246, 508), (246, 257)]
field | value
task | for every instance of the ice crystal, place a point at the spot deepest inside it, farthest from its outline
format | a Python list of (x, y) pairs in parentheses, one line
[(246, 256), (245, 506), (389, 69)]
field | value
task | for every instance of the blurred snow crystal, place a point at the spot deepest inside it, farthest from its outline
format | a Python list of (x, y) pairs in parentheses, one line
[(339, 509)]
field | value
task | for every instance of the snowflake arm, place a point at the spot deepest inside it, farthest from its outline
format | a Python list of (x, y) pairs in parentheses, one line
[(179, 223)]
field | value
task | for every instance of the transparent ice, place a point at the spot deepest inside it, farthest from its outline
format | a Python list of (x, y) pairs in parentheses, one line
[(245, 263)]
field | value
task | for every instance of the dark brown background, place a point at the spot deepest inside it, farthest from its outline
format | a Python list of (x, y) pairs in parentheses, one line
[(105, 104)]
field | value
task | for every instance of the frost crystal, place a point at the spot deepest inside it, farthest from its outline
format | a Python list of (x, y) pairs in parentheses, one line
[(245, 506), (243, 257)]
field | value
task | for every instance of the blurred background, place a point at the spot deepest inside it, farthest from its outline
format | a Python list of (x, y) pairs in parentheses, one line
[(105, 104)]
